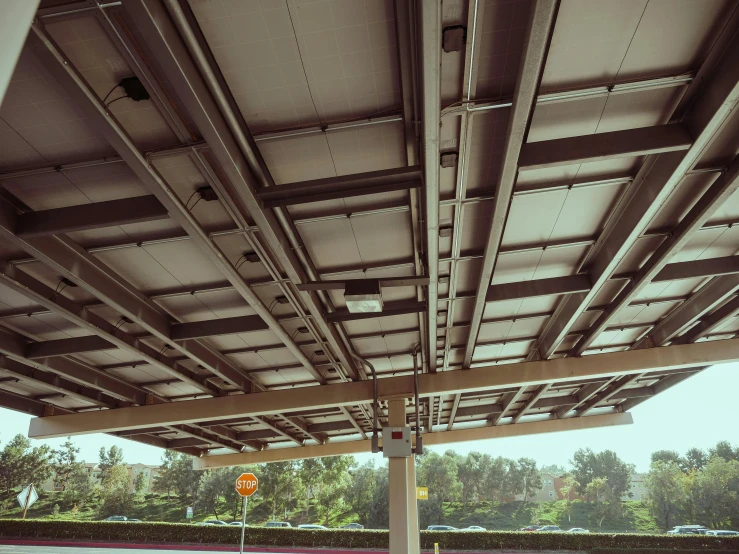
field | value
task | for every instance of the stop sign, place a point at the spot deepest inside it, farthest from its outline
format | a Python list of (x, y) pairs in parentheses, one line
[(247, 484)]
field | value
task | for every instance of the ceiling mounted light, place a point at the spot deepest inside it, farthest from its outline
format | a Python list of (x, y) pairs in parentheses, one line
[(363, 296)]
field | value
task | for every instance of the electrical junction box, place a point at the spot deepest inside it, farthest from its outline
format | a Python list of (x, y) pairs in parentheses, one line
[(396, 442)]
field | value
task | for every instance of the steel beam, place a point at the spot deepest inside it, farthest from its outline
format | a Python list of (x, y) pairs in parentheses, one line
[(89, 105), (724, 187), (695, 307), (708, 105), (710, 323), (538, 287), (57, 383), (663, 385), (90, 216), (187, 65), (604, 146), (531, 402), (499, 376), (709, 267), (535, 47), (37, 291), (64, 256), (431, 439), (430, 92), (218, 327), (63, 347), (386, 282), (345, 186)]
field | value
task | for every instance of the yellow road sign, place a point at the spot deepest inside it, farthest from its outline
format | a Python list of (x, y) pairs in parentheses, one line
[(422, 493)]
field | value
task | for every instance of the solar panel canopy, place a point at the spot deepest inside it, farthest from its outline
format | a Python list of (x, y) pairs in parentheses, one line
[(542, 191)]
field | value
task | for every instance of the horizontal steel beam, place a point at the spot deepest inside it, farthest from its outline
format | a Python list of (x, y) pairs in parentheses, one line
[(346, 186), (538, 287), (710, 267), (217, 327), (387, 282), (430, 439), (352, 393), (604, 146), (64, 347), (90, 216), (711, 322)]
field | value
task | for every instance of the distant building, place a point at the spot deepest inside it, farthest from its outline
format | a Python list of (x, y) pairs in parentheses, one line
[(150, 474), (551, 489)]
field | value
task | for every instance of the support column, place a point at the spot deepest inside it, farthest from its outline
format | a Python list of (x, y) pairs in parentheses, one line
[(401, 526), (414, 537)]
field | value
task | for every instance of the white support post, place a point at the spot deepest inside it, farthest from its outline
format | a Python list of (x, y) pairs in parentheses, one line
[(402, 527), (414, 536)]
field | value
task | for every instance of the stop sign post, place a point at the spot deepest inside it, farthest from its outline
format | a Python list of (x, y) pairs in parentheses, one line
[(246, 485)]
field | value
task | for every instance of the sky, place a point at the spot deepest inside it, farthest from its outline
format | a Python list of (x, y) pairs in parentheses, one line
[(698, 412)]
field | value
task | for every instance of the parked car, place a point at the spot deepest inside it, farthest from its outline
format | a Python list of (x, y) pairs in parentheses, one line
[(578, 530), (238, 524), (133, 520), (211, 522), (116, 518), (277, 524), (311, 526), (550, 529), (441, 528), (352, 526), (474, 528), (721, 533), (687, 530), (531, 528)]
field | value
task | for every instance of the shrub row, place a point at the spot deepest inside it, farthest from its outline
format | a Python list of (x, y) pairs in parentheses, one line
[(261, 536)]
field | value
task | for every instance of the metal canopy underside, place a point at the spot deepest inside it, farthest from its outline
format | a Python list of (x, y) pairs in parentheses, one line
[(562, 187)]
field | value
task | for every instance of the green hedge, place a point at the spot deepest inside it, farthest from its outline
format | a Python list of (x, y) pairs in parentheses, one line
[(261, 536)]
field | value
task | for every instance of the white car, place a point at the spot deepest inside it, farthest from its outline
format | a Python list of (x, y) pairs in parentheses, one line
[(722, 533), (238, 524), (311, 526), (474, 528), (578, 530)]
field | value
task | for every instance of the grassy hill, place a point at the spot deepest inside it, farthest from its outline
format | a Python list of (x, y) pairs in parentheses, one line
[(494, 516), (515, 515)]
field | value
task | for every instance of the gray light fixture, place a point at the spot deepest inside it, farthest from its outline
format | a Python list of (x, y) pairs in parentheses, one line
[(363, 295)]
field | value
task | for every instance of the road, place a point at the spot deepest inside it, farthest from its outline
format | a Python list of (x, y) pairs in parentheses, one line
[(17, 549)]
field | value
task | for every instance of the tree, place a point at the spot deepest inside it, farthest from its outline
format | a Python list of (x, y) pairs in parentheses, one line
[(665, 493), (567, 489), (588, 466), (695, 458), (529, 477), (471, 471), (66, 465), (494, 479), (277, 479), (597, 489), (20, 464), (723, 449), (380, 509), (165, 479), (717, 487), (139, 484), (212, 487), (309, 473), (177, 475), (334, 484), (554, 469), (115, 492), (666, 456), (362, 490), (440, 475), (113, 457), (80, 487)]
